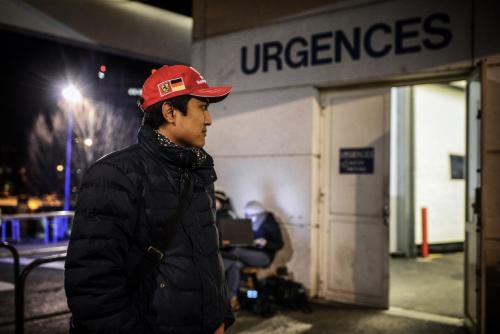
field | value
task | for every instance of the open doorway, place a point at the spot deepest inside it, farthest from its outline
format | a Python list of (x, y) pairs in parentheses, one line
[(386, 153), (427, 194)]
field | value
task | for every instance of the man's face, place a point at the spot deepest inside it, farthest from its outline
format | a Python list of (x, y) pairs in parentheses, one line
[(191, 129)]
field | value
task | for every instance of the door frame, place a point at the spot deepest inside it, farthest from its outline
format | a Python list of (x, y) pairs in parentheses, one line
[(477, 73), (321, 174)]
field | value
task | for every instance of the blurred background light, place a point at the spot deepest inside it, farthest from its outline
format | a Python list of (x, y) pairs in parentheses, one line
[(71, 94), (133, 91), (88, 142), (34, 203)]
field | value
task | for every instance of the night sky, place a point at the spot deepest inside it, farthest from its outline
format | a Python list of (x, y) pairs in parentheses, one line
[(33, 72)]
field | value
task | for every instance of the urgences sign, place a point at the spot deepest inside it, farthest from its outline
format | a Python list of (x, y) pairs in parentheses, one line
[(404, 36)]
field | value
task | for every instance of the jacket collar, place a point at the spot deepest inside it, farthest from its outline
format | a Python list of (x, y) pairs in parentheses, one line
[(177, 156)]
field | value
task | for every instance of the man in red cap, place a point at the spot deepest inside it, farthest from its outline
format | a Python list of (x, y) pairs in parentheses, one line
[(144, 250)]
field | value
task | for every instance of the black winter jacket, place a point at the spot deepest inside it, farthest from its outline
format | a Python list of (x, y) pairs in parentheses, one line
[(124, 198)]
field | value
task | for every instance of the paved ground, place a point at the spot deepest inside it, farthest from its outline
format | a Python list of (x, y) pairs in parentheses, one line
[(433, 286), (417, 289), (338, 319), (323, 320)]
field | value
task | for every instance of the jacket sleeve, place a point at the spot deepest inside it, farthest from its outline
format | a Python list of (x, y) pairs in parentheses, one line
[(95, 280), (273, 235)]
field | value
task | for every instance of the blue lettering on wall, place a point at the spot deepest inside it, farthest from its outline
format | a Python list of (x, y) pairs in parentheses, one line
[(432, 27), (382, 27), (353, 48), (272, 51), (405, 36), (301, 55), (256, 60), (406, 30), (318, 44)]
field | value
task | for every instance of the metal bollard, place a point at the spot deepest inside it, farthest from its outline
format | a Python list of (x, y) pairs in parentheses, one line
[(425, 243)]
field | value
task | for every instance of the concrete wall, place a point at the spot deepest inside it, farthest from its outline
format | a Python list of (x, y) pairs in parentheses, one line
[(263, 150), (211, 16), (439, 120), (308, 50), (218, 58)]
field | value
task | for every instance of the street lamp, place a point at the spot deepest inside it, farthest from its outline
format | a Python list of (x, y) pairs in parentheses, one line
[(72, 95), (88, 142)]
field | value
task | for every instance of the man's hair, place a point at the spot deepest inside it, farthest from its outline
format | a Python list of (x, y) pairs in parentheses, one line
[(153, 115)]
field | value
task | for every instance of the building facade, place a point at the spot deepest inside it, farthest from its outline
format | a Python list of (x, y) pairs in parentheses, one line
[(307, 130)]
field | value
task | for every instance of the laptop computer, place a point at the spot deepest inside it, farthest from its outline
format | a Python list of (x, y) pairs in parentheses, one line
[(237, 231)]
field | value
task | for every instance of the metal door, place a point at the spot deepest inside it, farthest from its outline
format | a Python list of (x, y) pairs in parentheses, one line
[(354, 240), (473, 204)]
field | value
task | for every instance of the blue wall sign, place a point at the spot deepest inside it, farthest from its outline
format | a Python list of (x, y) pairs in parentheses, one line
[(357, 160)]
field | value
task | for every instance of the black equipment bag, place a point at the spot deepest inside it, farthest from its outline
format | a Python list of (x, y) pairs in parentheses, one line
[(287, 293)]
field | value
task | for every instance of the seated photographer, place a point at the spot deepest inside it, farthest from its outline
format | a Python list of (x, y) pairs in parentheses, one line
[(267, 241)]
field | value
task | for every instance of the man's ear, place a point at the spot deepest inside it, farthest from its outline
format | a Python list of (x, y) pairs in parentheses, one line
[(168, 113)]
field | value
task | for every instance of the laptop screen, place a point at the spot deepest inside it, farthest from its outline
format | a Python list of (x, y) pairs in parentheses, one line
[(237, 231)]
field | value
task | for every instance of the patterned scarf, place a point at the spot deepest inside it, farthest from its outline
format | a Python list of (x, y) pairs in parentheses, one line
[(200, 154)]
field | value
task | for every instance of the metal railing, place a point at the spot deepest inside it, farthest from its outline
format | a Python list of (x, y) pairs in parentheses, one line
[(20, 284), (20, 293), (58, 220), (15, 258)]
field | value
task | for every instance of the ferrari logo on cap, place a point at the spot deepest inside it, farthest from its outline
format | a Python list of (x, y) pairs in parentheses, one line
[(164, 88)]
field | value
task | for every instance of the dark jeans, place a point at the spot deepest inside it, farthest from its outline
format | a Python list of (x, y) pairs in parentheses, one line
[(246, 258)]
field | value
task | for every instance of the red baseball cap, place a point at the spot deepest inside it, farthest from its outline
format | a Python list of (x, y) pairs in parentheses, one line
[(171, 81)]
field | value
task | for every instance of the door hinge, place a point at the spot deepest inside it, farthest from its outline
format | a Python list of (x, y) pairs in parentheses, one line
[(386, 214), (479, 114), (321, 195), (322, 109), (476, 206)]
